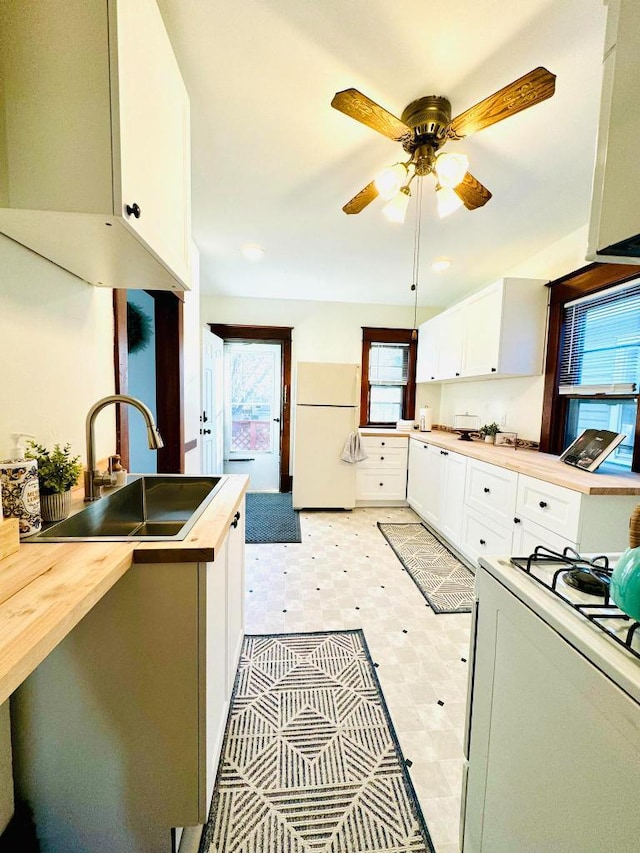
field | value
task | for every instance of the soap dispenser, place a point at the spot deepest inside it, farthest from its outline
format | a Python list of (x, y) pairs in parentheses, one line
[(20, 490)]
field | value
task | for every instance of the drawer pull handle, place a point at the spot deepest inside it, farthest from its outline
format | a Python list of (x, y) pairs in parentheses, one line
[(482, 542), (382, 458), (516, 521), (382, 443), (542, 504), (382, 484), (486, 490)]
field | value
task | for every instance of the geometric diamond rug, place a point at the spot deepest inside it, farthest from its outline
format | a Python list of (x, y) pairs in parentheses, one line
[(270, 517), (442, 579), (310, 761)]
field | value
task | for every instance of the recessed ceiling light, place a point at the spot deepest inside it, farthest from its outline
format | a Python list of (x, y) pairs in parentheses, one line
[(253, 252), (441, 265)]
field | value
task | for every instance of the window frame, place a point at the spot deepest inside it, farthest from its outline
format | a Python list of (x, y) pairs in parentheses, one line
[(586, 281), (374, 335)]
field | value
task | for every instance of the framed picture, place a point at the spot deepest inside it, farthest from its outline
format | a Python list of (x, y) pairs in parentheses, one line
[(508, 439), (591, 448)]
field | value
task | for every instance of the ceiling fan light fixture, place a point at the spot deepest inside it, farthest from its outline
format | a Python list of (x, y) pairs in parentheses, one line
[(447, 201), (389, 180), (396, 209), (451, 168)]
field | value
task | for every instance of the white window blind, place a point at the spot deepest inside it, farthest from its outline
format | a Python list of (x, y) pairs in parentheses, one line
[(388, 364), (601, 344)]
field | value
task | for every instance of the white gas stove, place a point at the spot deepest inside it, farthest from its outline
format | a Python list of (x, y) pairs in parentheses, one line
[(552, 739)]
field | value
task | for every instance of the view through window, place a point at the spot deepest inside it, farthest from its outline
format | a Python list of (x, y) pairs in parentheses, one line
[(388, 376), (600, 366)]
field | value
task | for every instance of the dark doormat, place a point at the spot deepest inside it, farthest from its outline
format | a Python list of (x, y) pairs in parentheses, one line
[(445, 582), (310, 761), (270, 517)]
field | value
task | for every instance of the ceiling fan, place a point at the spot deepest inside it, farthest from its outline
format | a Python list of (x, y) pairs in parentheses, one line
[(424, 127)]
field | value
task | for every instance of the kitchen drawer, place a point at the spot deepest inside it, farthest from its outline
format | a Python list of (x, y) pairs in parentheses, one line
[(492, 491), (385, 457), (527, 535), (377, 484), (553, 507), (485, 537), (375, 443)]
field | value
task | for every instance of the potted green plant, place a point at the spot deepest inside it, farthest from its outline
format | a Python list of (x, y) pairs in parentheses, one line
[(58, 473), (489, 432)]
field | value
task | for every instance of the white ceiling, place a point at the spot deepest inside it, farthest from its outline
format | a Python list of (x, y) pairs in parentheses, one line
[(273, 163)]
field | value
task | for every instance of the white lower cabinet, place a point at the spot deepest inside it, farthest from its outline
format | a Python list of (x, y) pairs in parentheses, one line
[(486, 510), (417, 479), (117, 733), (483, 537), (436, 487), (382, 476)]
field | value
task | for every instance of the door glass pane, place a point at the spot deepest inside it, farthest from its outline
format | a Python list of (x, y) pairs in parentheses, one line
[(614, 415), (385, 403), (252, 391)]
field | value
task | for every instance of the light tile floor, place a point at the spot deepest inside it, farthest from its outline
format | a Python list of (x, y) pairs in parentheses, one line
[(345, 575)]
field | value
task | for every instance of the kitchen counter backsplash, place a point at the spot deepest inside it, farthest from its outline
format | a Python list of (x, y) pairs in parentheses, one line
[(521, 442)]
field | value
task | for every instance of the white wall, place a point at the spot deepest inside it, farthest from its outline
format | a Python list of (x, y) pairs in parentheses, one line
[(518, 400), (56, 337), (322, 331)]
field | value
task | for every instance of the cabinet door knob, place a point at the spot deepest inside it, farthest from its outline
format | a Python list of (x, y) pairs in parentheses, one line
[(442, 453), (205, 432), (382, 443), (482, 542), (382, 484), (236, 519), (446, 452), (516, 521), (542, 504), (133, 210), (493, 370), (457, 374), (486, 490), (433, 377), (382, 458)]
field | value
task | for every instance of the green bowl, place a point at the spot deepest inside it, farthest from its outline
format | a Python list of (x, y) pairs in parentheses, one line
[(625, 583)]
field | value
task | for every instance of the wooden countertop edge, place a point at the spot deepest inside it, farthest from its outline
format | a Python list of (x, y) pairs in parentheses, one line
[(46, 588), (532, 463)]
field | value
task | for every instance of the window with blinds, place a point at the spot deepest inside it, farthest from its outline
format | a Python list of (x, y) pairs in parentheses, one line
[(388, 376), (601, 344), (600, 366)]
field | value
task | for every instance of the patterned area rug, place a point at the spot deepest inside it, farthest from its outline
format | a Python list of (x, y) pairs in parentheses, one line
[(271, 518), (444, 581), (310, 761)]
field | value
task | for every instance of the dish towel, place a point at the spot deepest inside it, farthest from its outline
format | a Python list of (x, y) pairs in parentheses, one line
[(353, 450)]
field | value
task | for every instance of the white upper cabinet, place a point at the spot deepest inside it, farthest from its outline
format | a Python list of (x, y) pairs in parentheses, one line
[(95, 170), (498, 331)]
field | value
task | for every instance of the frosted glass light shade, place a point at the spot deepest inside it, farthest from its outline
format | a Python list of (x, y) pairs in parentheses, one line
[(396, 209), (451, 168), (389, 181), (447, 201)]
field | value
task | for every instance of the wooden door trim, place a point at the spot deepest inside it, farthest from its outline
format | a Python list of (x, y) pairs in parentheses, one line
[(278, 335), (168, 310)]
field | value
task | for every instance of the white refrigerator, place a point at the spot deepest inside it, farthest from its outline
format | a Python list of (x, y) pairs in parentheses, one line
[(327, 411)]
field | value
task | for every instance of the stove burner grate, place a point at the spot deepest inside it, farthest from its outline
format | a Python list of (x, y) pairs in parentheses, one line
[(595, 573)]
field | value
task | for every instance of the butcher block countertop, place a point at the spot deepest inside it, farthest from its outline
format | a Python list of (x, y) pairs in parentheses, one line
[(46, 588), (542, 466)]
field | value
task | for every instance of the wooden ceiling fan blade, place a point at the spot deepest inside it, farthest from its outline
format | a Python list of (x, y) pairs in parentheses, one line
[(356, 105), (471, 192), (531, 89), (362, 199)]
